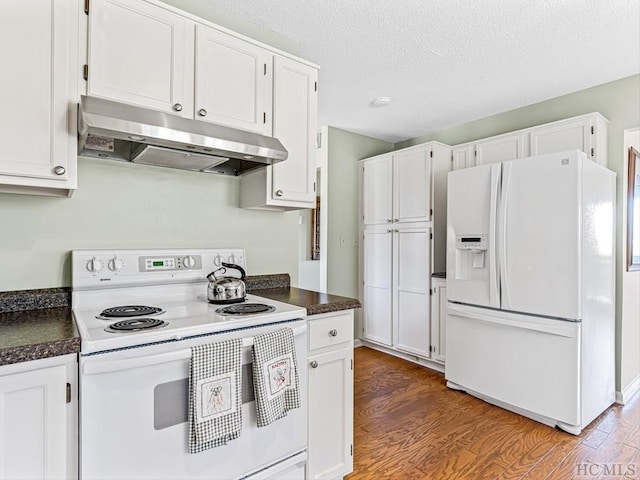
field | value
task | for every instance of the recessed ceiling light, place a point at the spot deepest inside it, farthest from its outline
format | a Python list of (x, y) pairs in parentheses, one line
[(381, 101)]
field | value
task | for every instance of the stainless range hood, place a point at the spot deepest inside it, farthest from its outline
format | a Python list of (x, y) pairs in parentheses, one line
[(117, 131)]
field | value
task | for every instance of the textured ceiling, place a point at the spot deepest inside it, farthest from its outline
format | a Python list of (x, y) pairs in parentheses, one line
[(446, 62)]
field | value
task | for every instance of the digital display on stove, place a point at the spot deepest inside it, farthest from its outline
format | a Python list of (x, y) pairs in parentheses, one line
[(168, 263)]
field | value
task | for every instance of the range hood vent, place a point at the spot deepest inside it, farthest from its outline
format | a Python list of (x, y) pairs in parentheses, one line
[(117, 131)]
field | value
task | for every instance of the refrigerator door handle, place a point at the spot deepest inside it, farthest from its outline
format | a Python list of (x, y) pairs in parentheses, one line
[(494, 292), (502, 235), (552, 327)]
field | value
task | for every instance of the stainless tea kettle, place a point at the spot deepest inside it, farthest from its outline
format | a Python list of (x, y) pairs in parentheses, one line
[(226, 289)]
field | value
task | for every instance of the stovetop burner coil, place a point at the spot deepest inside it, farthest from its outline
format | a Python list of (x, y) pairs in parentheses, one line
[(245, 309), (135, 325), (130, 311)]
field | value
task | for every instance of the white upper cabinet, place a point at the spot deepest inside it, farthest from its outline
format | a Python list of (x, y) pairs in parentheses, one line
[(462, 157), (501, 148), (233, 81), (587, 133), (39, 49), (141, 54), (397, 187), (377, 183), (289, 184), (412, 186)]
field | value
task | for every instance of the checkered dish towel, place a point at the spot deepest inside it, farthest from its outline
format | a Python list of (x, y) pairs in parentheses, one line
[(215, 396), (275, 375)]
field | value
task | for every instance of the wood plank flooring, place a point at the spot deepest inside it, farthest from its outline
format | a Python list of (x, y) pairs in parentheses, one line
[(409, 425)]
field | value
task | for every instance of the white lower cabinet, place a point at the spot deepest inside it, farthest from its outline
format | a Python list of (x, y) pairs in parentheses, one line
[(38, 419), (439, 319), (330, 362), (38, 97)]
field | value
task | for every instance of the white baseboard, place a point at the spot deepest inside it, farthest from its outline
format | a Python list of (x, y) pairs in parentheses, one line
[(357, 343), (438, 367), (628, 392)]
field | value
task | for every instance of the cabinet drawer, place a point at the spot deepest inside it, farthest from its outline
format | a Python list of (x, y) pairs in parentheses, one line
[(329, 331)]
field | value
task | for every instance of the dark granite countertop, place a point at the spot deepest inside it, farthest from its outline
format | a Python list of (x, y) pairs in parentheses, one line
[(37, 324), (34, 334), (314, 302)]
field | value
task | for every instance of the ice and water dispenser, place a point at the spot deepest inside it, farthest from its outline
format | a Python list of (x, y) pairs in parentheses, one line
[(471, 252)]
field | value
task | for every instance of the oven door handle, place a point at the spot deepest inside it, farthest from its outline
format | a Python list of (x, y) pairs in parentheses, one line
[(94, 366)]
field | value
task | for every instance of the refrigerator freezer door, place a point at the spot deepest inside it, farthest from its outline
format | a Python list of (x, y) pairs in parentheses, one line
[(539, 235), (472, 269), (530, 363)]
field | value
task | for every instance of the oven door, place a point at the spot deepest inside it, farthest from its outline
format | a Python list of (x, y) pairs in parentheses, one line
[(134, 410)]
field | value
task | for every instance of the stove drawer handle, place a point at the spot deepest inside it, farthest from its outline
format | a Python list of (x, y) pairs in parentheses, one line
[(95, 366)]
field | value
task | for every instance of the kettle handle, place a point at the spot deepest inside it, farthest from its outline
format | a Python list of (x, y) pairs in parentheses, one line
[(243, 274)]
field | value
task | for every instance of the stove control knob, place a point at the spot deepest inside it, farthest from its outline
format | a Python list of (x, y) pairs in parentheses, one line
[(189, 262), (94, 265), (115, 264)]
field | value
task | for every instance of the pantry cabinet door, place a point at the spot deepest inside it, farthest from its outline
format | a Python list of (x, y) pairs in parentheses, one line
[(377, 184), (377, 270), (411, 293), (412, 186), (141, 54), (233, 81)]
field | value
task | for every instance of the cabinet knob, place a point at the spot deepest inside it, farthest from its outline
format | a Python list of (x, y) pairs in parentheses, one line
[(59, 170), (202, 112), (389, 230), (177, 107), (313, 364), (389, 220), (395, 220), (279, 193), (333, 333)]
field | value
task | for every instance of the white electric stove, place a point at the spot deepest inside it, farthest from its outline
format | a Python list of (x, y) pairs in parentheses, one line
[(139, 312)]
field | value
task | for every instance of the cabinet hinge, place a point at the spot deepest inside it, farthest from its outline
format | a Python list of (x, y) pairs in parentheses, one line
[(86, 7), (430, 292), (431, 236), (265, 69), (314, 186), (68, 393), (431, 211), (475, 153), (264, 117), (352, 449), (592, 152), (85, 72), (431, 153), (315, 86), (352, 364), (592, 130)]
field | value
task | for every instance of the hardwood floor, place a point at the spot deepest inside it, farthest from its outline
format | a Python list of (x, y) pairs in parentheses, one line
[(409, 425)]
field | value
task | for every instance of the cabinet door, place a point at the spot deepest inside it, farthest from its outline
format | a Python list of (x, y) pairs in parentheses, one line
[(233, 81), (331, 414), (295, 113), (377, 271), (412, 260), (377, 184), (505, 147), (463, 157), (561, 136), (141, 54), (438, 321), (412, 186), (32, 415), (38, 45)]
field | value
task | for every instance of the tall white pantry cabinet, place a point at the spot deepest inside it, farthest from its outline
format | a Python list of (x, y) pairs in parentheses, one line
[(403, 235)]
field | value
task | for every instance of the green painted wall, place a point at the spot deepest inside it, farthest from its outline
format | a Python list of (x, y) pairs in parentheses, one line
[(345, 149), (121, 205)]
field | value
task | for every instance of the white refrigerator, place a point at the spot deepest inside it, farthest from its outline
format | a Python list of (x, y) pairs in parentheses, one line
[(531, 286)]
